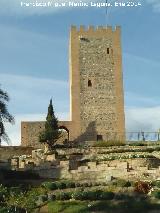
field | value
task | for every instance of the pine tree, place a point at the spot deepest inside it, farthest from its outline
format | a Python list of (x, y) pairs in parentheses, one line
[(51, 133)]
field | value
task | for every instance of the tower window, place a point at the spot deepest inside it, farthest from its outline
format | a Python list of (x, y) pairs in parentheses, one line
[(107, 50), (89, 83), (84, 39), (99, 138)]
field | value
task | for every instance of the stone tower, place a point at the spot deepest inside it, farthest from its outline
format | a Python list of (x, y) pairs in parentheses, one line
[(97, 102), (96, 88)]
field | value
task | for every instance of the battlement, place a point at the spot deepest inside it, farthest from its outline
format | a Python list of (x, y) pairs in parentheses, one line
[(90, 28)]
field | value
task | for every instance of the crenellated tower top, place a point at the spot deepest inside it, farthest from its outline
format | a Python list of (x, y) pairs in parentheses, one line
[(98, 29)]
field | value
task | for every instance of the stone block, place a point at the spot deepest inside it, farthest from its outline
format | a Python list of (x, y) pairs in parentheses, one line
[(73, 171), (92, 165), (14, 161), (64, 163), (50, 157), (21, 164), (143, 168), (82, 168), (109, 178), (123, 165), (38, 153)]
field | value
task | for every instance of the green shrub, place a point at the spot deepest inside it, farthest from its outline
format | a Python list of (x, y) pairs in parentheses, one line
[(70, 184), (51, 197), (15, 190), (156, 194), (50, 185), (60, 185), (4, 210), (3, 193), (106, 196), (121, 183), (156, 183), (93, 195), (77, 195), (86, 184), (64, 196), (89, 195), (77, 184)]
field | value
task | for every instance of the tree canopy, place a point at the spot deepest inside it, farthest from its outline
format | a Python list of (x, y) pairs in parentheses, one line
[(5, 116)]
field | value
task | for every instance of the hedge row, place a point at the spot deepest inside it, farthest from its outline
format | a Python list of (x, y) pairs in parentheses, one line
[(68, 184), (58, 185), (82, 195)]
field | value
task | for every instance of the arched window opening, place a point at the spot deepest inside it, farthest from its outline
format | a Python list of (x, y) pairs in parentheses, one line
[(108, 50)]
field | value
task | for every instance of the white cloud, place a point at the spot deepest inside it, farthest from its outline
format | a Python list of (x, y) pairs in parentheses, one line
[(142, 118), (31, 94)]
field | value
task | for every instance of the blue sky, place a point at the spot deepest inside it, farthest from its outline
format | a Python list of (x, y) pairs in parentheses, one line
[(34, 59)]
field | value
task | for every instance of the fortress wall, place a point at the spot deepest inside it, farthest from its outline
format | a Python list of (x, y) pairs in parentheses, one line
[(30, 132)]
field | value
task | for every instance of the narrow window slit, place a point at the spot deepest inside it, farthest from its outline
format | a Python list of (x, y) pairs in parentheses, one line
[(89, 83)]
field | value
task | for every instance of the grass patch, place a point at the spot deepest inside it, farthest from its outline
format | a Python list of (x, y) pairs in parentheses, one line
[(132, 206), (68, 207)]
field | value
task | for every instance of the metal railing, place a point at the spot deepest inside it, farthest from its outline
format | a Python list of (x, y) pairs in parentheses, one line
[(143, 136)]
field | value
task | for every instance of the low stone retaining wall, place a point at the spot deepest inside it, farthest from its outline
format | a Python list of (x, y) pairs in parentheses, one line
[(7, 152)]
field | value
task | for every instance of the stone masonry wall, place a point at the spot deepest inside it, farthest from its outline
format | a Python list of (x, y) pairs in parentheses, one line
[(49, 166), (30, 132), (98, 101), (7, 152), (97, 104)]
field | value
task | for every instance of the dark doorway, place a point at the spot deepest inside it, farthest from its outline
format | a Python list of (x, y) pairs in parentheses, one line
[(99, 138)]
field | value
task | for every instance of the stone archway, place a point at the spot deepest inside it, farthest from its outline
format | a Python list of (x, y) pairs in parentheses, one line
[(66, 130)]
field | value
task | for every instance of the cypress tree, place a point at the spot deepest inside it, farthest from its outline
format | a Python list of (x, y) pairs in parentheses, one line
[(51, 133)]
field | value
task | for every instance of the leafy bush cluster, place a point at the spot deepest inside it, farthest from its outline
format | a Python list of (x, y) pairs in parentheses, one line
[(69, 184), (156, 193), (3, 193), (58, 185), (142, 187), (20, 198), (156, 183)]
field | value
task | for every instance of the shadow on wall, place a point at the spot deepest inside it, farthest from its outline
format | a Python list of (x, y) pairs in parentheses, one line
[(89, 135)]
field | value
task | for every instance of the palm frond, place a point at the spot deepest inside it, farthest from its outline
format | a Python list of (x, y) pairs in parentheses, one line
[(4, 95)]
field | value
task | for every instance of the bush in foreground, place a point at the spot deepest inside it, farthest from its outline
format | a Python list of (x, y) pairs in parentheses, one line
[(142, 187)]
